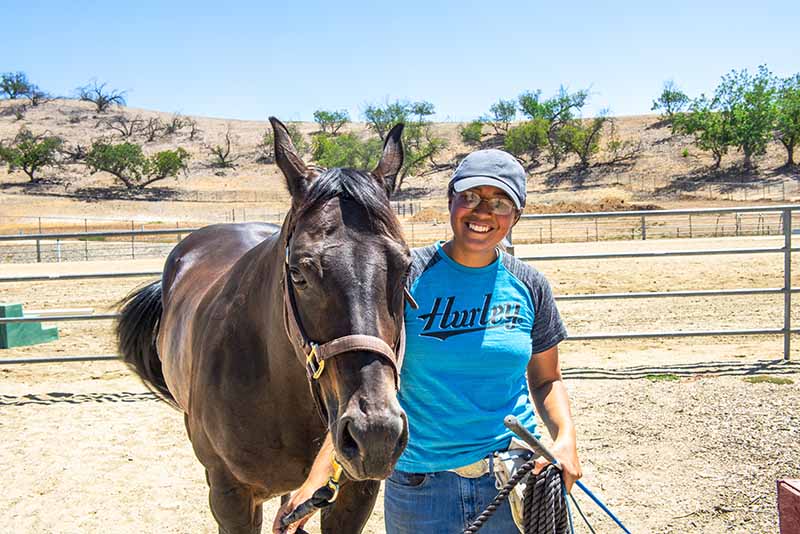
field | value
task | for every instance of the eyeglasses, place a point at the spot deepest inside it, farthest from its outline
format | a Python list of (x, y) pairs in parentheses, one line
[(496, 205)]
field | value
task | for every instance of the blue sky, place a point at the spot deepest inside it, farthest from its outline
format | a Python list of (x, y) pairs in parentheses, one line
[(248, 60)]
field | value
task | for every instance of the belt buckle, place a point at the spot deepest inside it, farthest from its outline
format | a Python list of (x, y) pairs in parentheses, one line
[(473, 470)]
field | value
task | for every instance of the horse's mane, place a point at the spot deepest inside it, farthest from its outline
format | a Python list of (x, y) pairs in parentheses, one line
[(359, 187)]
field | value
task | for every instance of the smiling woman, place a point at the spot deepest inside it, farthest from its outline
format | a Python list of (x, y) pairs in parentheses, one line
[(484, 322)]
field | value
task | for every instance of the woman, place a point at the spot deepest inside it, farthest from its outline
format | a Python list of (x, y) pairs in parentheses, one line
[(485, 321)]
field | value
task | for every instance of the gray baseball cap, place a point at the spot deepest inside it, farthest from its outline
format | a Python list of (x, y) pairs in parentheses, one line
[(492, 167)]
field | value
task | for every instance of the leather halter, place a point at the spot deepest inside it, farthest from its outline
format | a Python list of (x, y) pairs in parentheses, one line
[(316, 355)]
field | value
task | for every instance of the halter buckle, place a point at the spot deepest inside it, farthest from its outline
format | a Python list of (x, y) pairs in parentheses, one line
[(333, 480), (314, 365)]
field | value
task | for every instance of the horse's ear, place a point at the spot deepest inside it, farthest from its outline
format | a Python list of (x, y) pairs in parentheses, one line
[(391, 159), (297, 174)]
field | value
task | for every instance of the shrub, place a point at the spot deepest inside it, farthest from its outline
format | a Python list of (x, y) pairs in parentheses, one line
[(672, 100), (472, 133), (331, 121), (582, 138), (15, 84), (502, 113), (420, 144), (221, 157), (527, 139), (168, 163), (176, 122), (265, 150), (30, 152), (129, 165), (101, 97), (346, 150)]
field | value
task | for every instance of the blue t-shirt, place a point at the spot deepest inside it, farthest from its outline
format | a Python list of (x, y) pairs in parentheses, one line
[(467, 349)]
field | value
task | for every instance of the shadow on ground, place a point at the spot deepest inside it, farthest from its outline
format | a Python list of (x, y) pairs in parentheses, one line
[(701, 369)]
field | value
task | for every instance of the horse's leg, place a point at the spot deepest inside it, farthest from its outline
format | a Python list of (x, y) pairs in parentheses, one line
[(232, 504), (352, 508)]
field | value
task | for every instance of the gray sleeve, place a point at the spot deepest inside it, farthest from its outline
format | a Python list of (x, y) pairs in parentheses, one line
[(548, 328), (421, 259)]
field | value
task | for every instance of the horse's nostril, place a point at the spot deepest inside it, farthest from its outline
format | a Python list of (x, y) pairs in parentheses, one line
[(347, 443)]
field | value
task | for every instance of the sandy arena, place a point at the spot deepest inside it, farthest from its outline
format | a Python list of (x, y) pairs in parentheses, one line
[(670, 434)]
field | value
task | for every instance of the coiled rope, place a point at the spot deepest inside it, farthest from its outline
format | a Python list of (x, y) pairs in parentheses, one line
[(544, 505), (544, 502)]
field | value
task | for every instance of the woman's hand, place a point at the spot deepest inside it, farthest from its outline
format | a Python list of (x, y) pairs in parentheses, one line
[(298, 497), (568, 460), (567, 457), (321, 471)]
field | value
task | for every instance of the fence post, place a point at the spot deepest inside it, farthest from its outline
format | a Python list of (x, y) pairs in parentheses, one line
[(787, 282), (690, 226), (38, 251), (644, 229), (85, 241), (133, 250)]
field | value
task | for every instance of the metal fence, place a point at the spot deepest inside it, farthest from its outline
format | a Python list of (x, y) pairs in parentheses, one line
[(780, 215)]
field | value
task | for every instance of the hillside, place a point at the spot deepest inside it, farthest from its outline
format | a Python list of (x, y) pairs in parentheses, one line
[(667, 170)]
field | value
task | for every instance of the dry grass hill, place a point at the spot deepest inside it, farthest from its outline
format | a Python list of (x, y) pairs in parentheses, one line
[(667, 171)]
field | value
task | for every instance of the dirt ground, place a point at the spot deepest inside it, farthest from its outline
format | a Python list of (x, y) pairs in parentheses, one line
[(671, 435)]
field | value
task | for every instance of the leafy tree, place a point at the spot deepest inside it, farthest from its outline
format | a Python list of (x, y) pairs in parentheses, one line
[(381, 119), (747, 102), (557, 111), (14, 84), (346, 150), (712, 129), (501, 115), (101, 97), (672, 100), (528, 139), (420, 144), (331, 121), (582, 138), (471, 133), (167, 163), (129, 165), (30, 152), (787, 115)]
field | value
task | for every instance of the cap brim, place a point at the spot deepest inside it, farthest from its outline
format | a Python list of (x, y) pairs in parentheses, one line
[(477, 181)]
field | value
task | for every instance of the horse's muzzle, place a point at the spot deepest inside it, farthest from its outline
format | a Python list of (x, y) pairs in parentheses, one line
[(369, 440)]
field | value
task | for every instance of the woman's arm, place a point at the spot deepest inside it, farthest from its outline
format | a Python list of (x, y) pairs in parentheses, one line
[(552, 404), (321, 470)]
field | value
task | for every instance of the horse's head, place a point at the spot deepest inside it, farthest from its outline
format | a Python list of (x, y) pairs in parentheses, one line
[(346, 263)]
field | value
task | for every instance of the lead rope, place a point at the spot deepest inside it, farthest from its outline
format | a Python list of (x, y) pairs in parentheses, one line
[(545, 509)]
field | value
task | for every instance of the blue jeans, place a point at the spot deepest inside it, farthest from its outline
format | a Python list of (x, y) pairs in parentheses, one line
[(442, 503)]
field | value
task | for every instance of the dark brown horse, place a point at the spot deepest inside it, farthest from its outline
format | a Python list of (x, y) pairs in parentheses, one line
[(218, 337)]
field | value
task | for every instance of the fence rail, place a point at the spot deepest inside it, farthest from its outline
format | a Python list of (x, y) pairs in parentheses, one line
[(785, 219)]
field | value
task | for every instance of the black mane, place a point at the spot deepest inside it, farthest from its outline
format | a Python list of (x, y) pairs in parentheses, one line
[(359, 187)]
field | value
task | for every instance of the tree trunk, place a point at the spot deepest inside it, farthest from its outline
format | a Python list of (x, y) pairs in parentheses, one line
[(788, 144), (748, 160)]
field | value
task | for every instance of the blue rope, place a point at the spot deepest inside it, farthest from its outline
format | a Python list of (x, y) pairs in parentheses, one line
[(602, 506)]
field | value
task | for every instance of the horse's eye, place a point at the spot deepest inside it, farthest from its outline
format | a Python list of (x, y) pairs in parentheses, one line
[(297, 278)]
